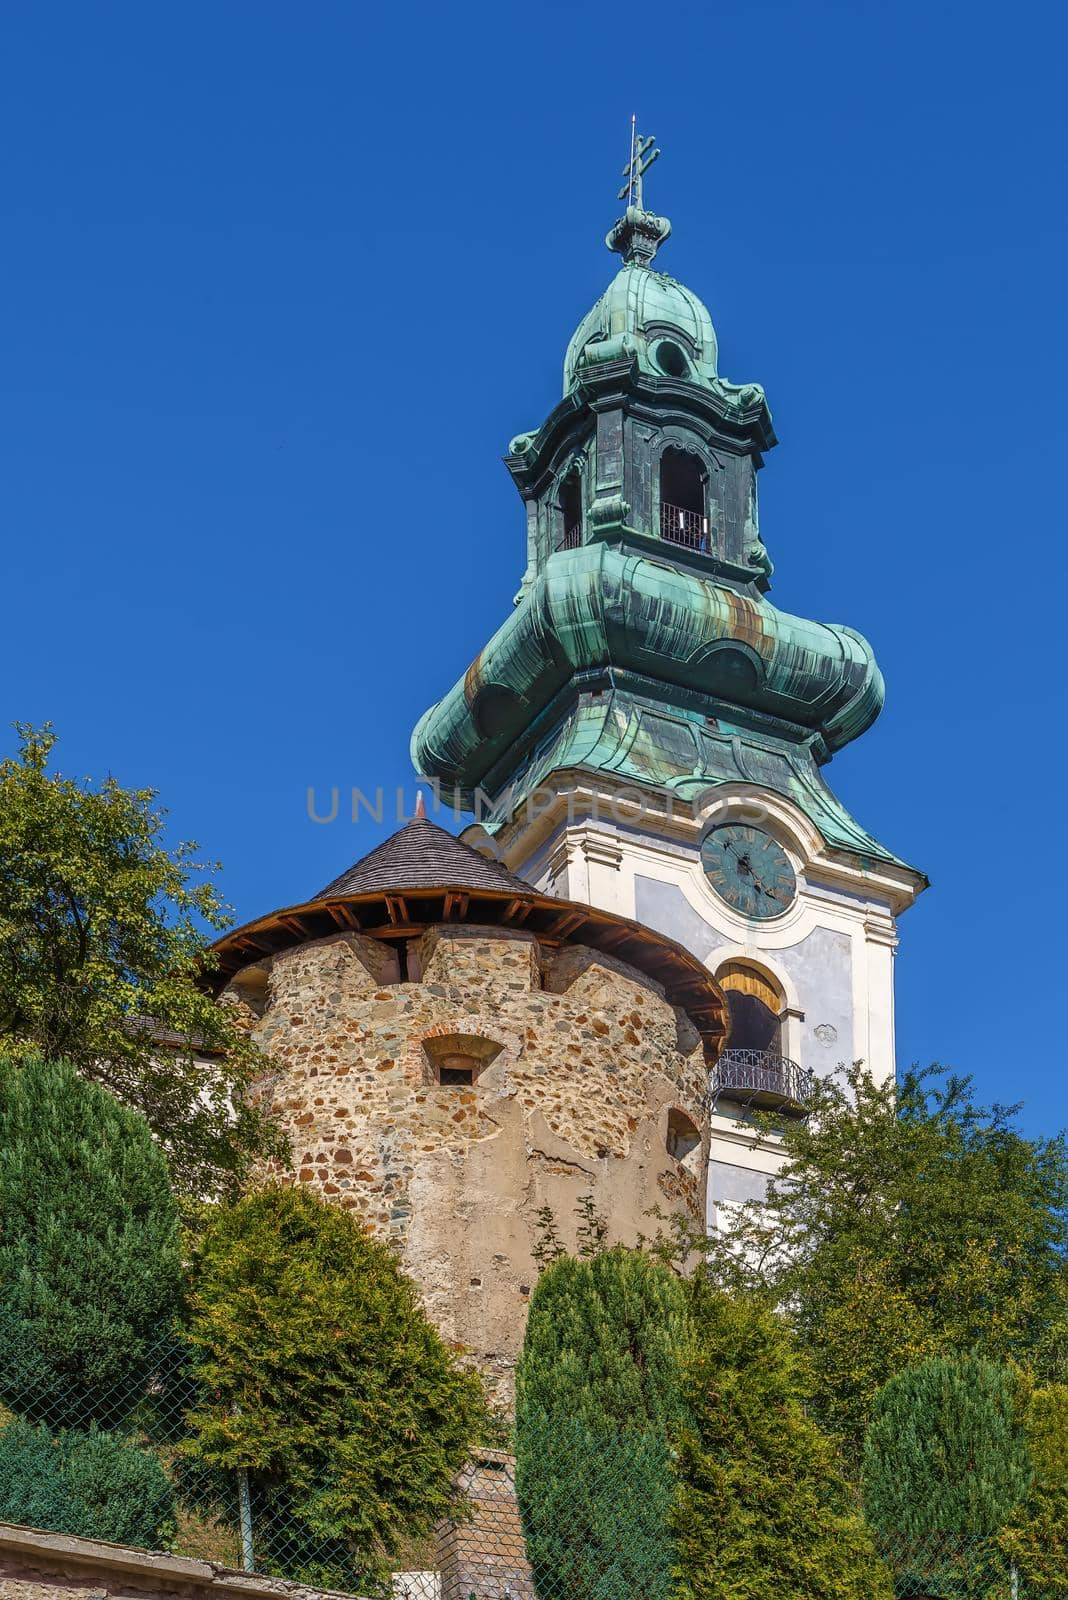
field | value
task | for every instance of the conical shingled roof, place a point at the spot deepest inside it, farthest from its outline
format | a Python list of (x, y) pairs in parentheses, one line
[(423, 856)]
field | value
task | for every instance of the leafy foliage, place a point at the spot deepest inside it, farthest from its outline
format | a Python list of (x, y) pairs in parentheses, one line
[(102, 954), (1035, 1538), (945, 1452), (763, 1508), (90, 1484), (597, 1393), (326, 1380), (89, 1253), (905, 1223)]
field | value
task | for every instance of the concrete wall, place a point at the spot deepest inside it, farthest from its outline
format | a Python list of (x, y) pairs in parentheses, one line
[(580, 1064), (55, 1566)]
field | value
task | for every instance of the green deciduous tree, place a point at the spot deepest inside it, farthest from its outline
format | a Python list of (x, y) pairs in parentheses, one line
[(89, 1255), (763, 1507), (90, 1484), (102, 952), (906, 1222), (597, 1397), (324, 1379), (1035, 1538)]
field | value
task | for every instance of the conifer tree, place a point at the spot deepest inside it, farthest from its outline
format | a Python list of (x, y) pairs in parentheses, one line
[(324, 1379), (89, 1256), (91, 1484), (603, 1340), (597, 1399), (946, 1451), (763, 1508), (1035, 1539), (597, 1396)]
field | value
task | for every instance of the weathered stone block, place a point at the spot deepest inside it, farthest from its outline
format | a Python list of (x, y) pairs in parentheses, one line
[(480, 958)]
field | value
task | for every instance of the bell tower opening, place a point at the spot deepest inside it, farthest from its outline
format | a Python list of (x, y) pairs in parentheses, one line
[(571, 511), (756, 1004), (683, 516)]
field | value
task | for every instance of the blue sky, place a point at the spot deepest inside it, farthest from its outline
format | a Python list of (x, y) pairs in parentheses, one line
[(281, 282)]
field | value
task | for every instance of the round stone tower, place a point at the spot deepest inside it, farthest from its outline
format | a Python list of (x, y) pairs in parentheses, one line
[(460, 1057)]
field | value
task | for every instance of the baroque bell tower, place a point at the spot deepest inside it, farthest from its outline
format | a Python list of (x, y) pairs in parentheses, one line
[(648, 734)]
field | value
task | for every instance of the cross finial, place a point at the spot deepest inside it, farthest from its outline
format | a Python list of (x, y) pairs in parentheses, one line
[(643, 152), (638, 234)]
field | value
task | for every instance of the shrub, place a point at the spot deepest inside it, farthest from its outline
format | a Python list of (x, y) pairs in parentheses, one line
[(327, 1381), (89, 1262), (1035, 1539), (945, 1452), (597, 1395), (91, 1484), (763, 1508)]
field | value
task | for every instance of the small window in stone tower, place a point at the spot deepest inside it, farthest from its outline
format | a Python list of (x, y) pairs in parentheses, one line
[(458, 1072), (456, 1060), (683, 517), (571, 512)]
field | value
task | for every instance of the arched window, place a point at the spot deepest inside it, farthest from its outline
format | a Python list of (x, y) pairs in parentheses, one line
[(683, 515), (571, 511), (457, 1060), (756, 1004)]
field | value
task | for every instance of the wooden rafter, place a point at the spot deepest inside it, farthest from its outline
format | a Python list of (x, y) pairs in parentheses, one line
[(406, 913)]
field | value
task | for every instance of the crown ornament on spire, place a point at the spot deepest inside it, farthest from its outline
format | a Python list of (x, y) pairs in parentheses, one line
[(638, 234)]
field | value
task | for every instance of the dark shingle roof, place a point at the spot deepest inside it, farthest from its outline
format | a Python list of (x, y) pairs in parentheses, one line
[(423, 856)]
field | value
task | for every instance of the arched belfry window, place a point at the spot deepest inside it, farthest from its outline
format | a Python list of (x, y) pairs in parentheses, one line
[(571, 511), (683, 511), (756, 1005)]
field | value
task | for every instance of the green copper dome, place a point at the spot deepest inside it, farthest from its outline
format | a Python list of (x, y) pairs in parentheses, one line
[(641, 646), (645, 313)]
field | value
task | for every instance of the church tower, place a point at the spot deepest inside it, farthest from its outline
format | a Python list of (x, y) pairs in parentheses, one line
[(647, 733)]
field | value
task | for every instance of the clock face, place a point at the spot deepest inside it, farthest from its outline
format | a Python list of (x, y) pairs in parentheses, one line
[(748, 869)]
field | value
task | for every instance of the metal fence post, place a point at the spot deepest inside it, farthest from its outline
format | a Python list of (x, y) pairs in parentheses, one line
[(244, 1502)]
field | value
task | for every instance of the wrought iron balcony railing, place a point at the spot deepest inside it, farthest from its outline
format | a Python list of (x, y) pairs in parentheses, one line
[(572, 538), (757, 1078), (687, 528)]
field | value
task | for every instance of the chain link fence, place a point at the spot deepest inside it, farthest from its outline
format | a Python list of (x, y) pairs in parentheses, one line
[(121, 1465)]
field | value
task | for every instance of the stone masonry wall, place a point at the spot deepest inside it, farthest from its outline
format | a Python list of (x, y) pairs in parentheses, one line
[(579, 1061)]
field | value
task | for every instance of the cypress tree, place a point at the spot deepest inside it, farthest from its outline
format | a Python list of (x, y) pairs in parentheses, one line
[(597, 1396), (89, 1256), (763, 1508), (945, 1463), (946, 1451), (324, 1379)]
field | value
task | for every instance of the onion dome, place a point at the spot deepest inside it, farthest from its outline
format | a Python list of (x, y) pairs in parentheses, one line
[(646, 314)]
